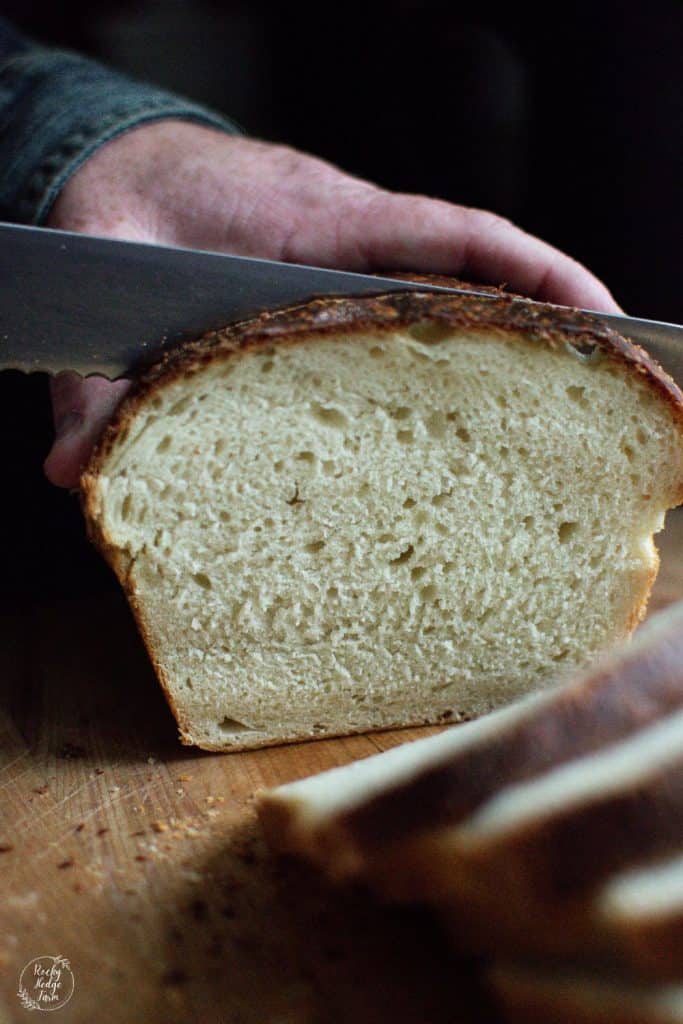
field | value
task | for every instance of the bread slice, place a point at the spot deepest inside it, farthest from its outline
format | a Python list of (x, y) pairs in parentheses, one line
[(564, 832), (633, 922), (538, 995), (366, 513)]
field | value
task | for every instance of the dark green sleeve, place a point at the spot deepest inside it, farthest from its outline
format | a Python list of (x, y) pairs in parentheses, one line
[(57, 109)]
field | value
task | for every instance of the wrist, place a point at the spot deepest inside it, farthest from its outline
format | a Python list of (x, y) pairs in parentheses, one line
[(121, 190), (58, 109)]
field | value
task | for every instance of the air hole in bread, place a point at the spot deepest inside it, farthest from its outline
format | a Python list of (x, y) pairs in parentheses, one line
[(584, 350), (402, 413), (428, 333), (180, 406), (329, 416), (577, 394), (232, 725), (405, 436), (404, 557), (566, 531)]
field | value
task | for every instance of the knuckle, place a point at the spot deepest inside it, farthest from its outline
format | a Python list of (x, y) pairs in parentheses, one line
[(487, 220)]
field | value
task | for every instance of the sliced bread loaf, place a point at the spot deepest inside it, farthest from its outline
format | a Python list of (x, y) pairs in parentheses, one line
[(367, 513)]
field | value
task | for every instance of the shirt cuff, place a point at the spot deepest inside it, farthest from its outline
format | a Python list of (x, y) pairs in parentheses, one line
[(56, 110)]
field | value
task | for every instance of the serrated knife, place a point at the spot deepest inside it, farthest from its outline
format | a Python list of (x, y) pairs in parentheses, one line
[(99, 306)]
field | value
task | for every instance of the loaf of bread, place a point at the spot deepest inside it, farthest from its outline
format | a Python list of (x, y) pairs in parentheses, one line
[(367, 513)]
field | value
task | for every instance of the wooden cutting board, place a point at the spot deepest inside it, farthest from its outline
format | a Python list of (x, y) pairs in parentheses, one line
[(139, 861)]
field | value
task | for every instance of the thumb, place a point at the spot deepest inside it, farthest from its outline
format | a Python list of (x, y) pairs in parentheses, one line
[(81, 409)]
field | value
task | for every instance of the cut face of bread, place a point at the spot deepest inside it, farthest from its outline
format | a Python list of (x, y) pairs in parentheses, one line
[(362, 514)]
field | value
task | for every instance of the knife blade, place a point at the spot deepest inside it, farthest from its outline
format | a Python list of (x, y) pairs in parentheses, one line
[(104, 307)]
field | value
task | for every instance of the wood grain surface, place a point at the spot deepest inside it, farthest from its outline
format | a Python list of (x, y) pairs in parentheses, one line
[(140, 862)]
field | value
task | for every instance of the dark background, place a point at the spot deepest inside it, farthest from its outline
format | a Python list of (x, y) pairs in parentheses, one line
[(566, 118)]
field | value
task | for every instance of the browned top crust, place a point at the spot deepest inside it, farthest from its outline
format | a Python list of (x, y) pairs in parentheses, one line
[(503, 314)]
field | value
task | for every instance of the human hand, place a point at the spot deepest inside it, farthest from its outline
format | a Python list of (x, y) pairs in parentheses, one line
[(181, 184)]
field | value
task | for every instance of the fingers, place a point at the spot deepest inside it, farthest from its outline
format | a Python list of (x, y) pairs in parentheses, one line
[(406, 232), (183, 184), (81, 409)]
